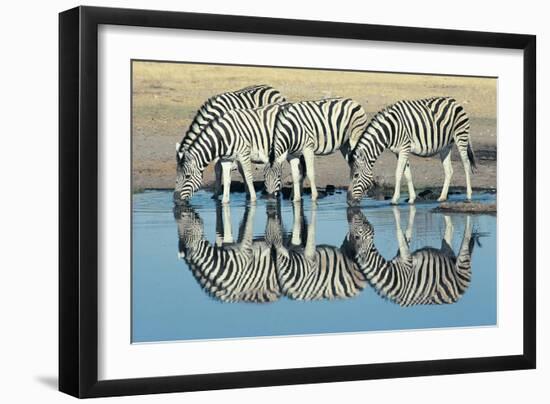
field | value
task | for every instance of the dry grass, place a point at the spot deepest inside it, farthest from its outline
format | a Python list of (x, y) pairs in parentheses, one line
[(167, 95)]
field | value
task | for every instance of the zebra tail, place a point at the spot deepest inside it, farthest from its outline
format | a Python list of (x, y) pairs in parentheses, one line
[(472, 158)]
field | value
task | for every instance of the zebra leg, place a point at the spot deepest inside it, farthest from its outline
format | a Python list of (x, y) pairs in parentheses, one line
[(246, 167), (449, 229), (310, 240), (246, 228), (464, 259), (410, 185), (226, 170), (309, 156), (219, 225), (296, 179), (401, 241), (463, 151), (410, 225), (218, 180), (445, 156), (227, 228), (297, 225), (402, 160)]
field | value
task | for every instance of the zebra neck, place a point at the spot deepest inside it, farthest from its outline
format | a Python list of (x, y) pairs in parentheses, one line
[(190, 136), (205, 151), (374, 142), (372, 263)]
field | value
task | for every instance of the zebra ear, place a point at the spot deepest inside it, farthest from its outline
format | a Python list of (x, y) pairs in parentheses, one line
[(179, 152)]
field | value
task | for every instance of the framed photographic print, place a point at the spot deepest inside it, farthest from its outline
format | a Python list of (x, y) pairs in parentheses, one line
[(251, 201)]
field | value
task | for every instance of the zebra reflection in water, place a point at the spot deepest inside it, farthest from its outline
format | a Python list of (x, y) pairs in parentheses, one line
[(262, 269), (425, 276), (229, 271), (307, 271)]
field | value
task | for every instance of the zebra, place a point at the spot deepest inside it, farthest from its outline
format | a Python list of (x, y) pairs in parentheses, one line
[(421, 127), (229, 272), (249, 97), (307, 129), (262, 270), (239, 135), (423, 277), (306, 271)]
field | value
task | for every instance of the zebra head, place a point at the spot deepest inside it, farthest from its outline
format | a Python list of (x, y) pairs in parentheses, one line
[(274, 227), (188, 179), (360, 234), (361, 176), (190, 228), (272, 178)]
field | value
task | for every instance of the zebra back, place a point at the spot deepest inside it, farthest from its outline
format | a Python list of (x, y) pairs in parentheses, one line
[(323, 125), (428, 125), (427, 276), (237, 272), (237, 132), (330, 274), (216, 106)]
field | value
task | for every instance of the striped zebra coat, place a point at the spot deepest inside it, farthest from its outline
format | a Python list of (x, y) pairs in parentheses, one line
[(229, 271), (311, 128), (262, 270), (306, 271), (249, 97), (421, 127), (241, 135), (423, 277)]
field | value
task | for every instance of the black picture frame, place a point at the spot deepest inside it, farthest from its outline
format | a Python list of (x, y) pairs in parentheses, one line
[(78, 200)]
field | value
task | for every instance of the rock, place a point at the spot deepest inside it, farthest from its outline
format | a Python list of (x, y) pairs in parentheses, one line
[(427, 195), (466, 207)]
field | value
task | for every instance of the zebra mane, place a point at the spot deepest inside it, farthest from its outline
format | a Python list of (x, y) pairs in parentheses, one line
[(211, 100)]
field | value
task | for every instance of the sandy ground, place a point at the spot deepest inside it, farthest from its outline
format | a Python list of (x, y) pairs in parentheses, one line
[(167, 95)]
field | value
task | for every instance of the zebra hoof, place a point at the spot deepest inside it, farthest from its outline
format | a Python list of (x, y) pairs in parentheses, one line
[(395, 202), (441, 199), (411, 201)]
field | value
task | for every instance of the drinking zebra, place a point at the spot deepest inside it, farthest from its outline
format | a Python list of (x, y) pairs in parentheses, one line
[(240, 135), (311, 128), (249, 97), (421, 127), (306, 271), (425, 276), (229, 271), (262, 270)]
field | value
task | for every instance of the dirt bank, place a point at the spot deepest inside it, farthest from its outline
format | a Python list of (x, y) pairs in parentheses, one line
[(167, 95)]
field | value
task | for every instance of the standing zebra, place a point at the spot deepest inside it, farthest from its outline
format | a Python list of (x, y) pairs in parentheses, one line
[(306, 271), (216, 106), (241, 135), (421, 127), (425, 276), (230, 272), (312, 128)]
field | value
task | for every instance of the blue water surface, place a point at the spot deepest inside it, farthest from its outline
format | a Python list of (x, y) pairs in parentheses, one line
[(169, 304)]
